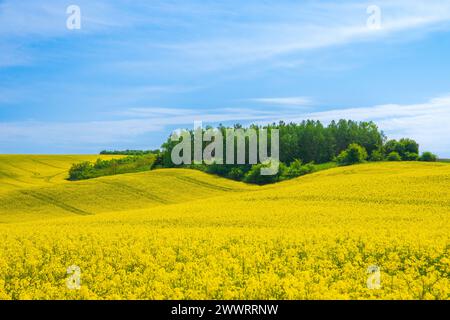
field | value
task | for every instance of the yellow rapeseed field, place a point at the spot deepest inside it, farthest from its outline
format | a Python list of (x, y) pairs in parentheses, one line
[(18, 171), (182, 234)]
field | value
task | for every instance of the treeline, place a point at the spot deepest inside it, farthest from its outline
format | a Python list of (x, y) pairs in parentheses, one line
[(308, 141), (129, 152), (310, 146), (304, 148), (99, 168)]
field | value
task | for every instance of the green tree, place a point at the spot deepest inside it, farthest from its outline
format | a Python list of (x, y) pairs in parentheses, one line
[(410, 156), (297, 169), (376, 155), (81, 171), (428, 157), (409, 145), (236, 173), (390, 146), (394, 156), (406, 148), (254, 175), (353, 154)]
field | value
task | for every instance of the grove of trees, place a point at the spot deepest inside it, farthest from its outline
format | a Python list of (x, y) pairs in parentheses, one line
[(304, 147), (99, 168)]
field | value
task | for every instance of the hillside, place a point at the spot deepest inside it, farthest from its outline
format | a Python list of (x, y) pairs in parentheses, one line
[(18, 171), (308, 238), (37, 189)]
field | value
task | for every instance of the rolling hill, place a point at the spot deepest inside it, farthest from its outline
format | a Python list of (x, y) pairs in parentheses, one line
[(35, 188), (18, 171), (179, 234)]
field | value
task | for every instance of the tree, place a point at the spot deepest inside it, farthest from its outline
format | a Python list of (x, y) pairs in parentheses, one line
[(353, 154), (99, 168), (410, 156), (236, 173), (297, 169), (376, 155), (254, 175), (218, 168), (80, 171), (409, 145), (308, 140), (390, 146), (406, 148), (428, 156), (394, 156)]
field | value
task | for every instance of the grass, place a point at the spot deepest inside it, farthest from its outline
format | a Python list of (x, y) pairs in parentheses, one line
[(183, 234), (324, 166)]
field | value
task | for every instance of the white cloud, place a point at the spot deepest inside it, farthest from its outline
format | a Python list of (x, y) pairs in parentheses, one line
[(154, 112), (427, 122), (218, 35), (286, 101), (215, 36), (47, 18), (295, 28), (143, 121)]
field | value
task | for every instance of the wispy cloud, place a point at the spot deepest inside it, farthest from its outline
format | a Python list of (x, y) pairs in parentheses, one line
[(158, 53), (222, 36), (426, 122), (47, 18), (200, 36), (286, 101), (295, 28), (135, 122), (154, 112)]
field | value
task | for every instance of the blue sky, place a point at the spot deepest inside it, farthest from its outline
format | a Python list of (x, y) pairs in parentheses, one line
[(136, 70)]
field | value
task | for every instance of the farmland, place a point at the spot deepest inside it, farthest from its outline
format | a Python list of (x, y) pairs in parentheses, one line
[(184, 234)]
